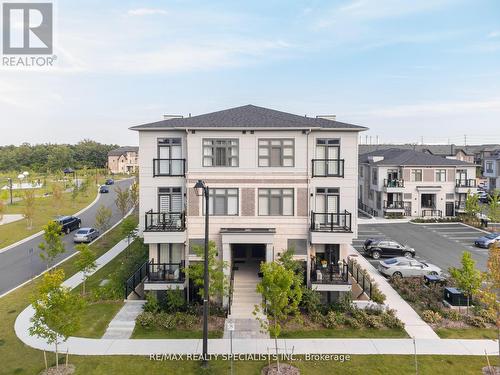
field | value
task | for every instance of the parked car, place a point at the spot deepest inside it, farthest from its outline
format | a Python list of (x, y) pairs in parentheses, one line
[(103, 189), (404, 267), (110, 181), (68, 223), (488, 240), (377, 248), (85, 235)]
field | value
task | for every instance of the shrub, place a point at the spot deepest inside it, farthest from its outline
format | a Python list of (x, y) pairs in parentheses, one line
[(334, 319), (151, 305), (353, 323), (430, 316), (373, 321), (391, 321), (174, 300), (374, 310), (310, 300), (452, 314), (162, 320), (360, 315), (475, 321), (318, 318), (488, 316), (344, 304)]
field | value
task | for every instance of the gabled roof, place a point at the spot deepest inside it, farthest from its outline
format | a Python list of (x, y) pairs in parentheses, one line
[(399, 157), (443, 150), (248, 116), (122, 150)]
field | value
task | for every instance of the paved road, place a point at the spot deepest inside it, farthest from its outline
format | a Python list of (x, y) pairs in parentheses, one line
[(18, 266), (441, 244)]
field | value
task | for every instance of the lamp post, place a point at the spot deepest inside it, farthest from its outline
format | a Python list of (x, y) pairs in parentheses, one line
[(202, 190), (10, 189)]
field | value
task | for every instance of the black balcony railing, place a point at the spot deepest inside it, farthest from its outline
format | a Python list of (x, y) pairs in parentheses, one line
[(166, 272), (368, 210), (432, 213), (328, 167), (394, 183), (169, 167), (460, 205), (137, 277), (330, 274), (164, 221), (331, 222), (465, 183), (395, 205)]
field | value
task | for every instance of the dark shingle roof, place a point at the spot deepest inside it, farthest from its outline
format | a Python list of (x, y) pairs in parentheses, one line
[(443, 150), (122, 150), (248, 116), (396, 156)]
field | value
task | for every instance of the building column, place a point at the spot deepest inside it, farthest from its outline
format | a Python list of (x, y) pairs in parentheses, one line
[(269, 253), (226, 257)]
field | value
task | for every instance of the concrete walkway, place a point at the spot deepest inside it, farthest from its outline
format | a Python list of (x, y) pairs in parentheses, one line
[(381, 220), (414, 325), (122, 325)]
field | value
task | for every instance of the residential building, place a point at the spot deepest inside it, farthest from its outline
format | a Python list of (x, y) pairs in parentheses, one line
[(123, 159), (492, 170), (276, 180), (396, 182)]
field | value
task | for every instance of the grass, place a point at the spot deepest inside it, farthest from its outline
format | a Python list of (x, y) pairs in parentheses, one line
[(467, 333), (44, 211), (96, 317), (365, 333), (143, 333)]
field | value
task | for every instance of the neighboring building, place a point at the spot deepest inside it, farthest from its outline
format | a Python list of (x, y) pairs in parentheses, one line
[(276, 180), (413, 183), (492, 170), (123, 159)]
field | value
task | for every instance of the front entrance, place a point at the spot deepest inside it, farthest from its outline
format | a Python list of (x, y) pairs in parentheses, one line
[(248, 252), (450, 209), (428, 201)]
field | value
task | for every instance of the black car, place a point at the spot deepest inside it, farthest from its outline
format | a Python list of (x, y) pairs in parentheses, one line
[(109, 181), (377, 248), (69, 223), (103, 189)]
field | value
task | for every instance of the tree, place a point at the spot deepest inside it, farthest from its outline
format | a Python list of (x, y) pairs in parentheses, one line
[(29, 207), (129, 228), (472, 207), (57, 311), (134, 194), (86, 262), (2, 209), (122, 200), (218, 281), (468, 278), (103, 218), (52, 245), (494, 207), (57, 194), (281, 296)]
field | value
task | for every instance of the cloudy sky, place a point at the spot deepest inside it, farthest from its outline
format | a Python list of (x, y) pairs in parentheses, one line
[(406, 69)]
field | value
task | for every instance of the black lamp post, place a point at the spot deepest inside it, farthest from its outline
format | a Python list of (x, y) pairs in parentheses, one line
[(202, 190)]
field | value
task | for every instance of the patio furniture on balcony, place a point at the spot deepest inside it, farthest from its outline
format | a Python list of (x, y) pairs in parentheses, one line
[(164, 221)]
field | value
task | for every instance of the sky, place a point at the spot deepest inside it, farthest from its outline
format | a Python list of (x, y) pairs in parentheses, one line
[(411, 71)]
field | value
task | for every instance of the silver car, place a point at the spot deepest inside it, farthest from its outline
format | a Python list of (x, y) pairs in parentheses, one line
[(404, 267), (85, 235)]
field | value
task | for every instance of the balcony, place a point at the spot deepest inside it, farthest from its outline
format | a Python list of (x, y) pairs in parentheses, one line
[(464, 185), (330, 227), (169, 167), (330, 278), (460, 206), (162, 276), (394, 185), (328, 167), (164, 227), (394, 206)]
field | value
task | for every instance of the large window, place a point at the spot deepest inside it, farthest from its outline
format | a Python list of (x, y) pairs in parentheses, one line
[(223, 202), (276, 202), (169, 161), (440, 175), (220, 152), (489, 167), (374, 176), (276, 153), (416, 175)]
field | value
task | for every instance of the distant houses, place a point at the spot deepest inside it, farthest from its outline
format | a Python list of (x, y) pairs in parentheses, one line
[(123, 159)]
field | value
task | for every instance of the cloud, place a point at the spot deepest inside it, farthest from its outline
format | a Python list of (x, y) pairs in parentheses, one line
[(494, 34), (146, 12)]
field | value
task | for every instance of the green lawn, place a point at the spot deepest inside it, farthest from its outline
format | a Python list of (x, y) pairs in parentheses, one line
[(467, 333), (44, 211), (143, 333), (365, 333), (96, 317)]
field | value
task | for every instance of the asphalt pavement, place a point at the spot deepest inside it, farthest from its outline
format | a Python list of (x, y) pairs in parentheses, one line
[(439, 244), (22, 262)]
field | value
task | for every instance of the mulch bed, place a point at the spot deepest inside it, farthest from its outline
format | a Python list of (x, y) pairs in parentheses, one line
[(285, 369), (61, 370)]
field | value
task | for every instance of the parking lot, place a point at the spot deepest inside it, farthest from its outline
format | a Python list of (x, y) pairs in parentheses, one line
[(439, 244)]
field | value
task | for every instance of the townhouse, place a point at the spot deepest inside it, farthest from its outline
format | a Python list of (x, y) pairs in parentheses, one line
[(277, 181), (123, 159), (492, 170), (398, 182)]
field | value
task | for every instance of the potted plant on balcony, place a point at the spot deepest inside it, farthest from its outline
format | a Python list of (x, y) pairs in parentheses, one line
[(324, 263)]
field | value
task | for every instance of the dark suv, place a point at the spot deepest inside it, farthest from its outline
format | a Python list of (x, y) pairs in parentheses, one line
[(377, 248), (68, 223)]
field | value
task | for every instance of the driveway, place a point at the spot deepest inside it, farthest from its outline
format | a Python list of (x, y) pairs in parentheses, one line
[(19, 264), (440, 244)]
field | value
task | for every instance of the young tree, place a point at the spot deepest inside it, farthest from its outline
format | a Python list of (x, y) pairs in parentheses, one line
[(472, 207), (29, 207), (103, 218), (57, 194), (86, 262), (468, 278), (57, 311), (75, 191), (52, 245), (134, 194), (129, 229), (218, 286), (494, 207), (281, 296), (122, 200)]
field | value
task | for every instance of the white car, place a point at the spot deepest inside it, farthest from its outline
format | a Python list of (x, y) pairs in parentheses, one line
[(404, 267), (85, 235)]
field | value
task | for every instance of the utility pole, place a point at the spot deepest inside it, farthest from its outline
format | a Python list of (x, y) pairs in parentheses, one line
[(465, 139)]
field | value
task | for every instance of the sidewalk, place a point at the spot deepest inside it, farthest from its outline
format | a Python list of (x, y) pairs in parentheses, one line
[(123, 324), (381, 220)]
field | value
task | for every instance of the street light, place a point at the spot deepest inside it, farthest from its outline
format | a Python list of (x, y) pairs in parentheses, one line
[(10, 189), (202, 190)]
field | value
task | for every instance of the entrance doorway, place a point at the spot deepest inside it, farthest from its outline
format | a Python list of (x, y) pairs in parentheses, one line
[(428, 201), (248, 252)]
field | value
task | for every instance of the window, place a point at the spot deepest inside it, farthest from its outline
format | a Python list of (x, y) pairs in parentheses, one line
[(370, 194), (169, 162), (327, 200), (276, 202), (489, 167), (223, 202), (440, 175), (276, 153), (361, 168), (220, 152), (416, 175), (374, 176)]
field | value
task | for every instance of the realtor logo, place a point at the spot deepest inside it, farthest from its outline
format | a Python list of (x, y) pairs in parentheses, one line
[(27, 28)]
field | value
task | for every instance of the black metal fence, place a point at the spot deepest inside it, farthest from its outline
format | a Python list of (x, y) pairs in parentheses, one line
[(466, 183), (164, 221), (166, 272), (397, 205), (137, 277), (432, 213), (330, 274), (331, 221), (358, 274), (394, 183)]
